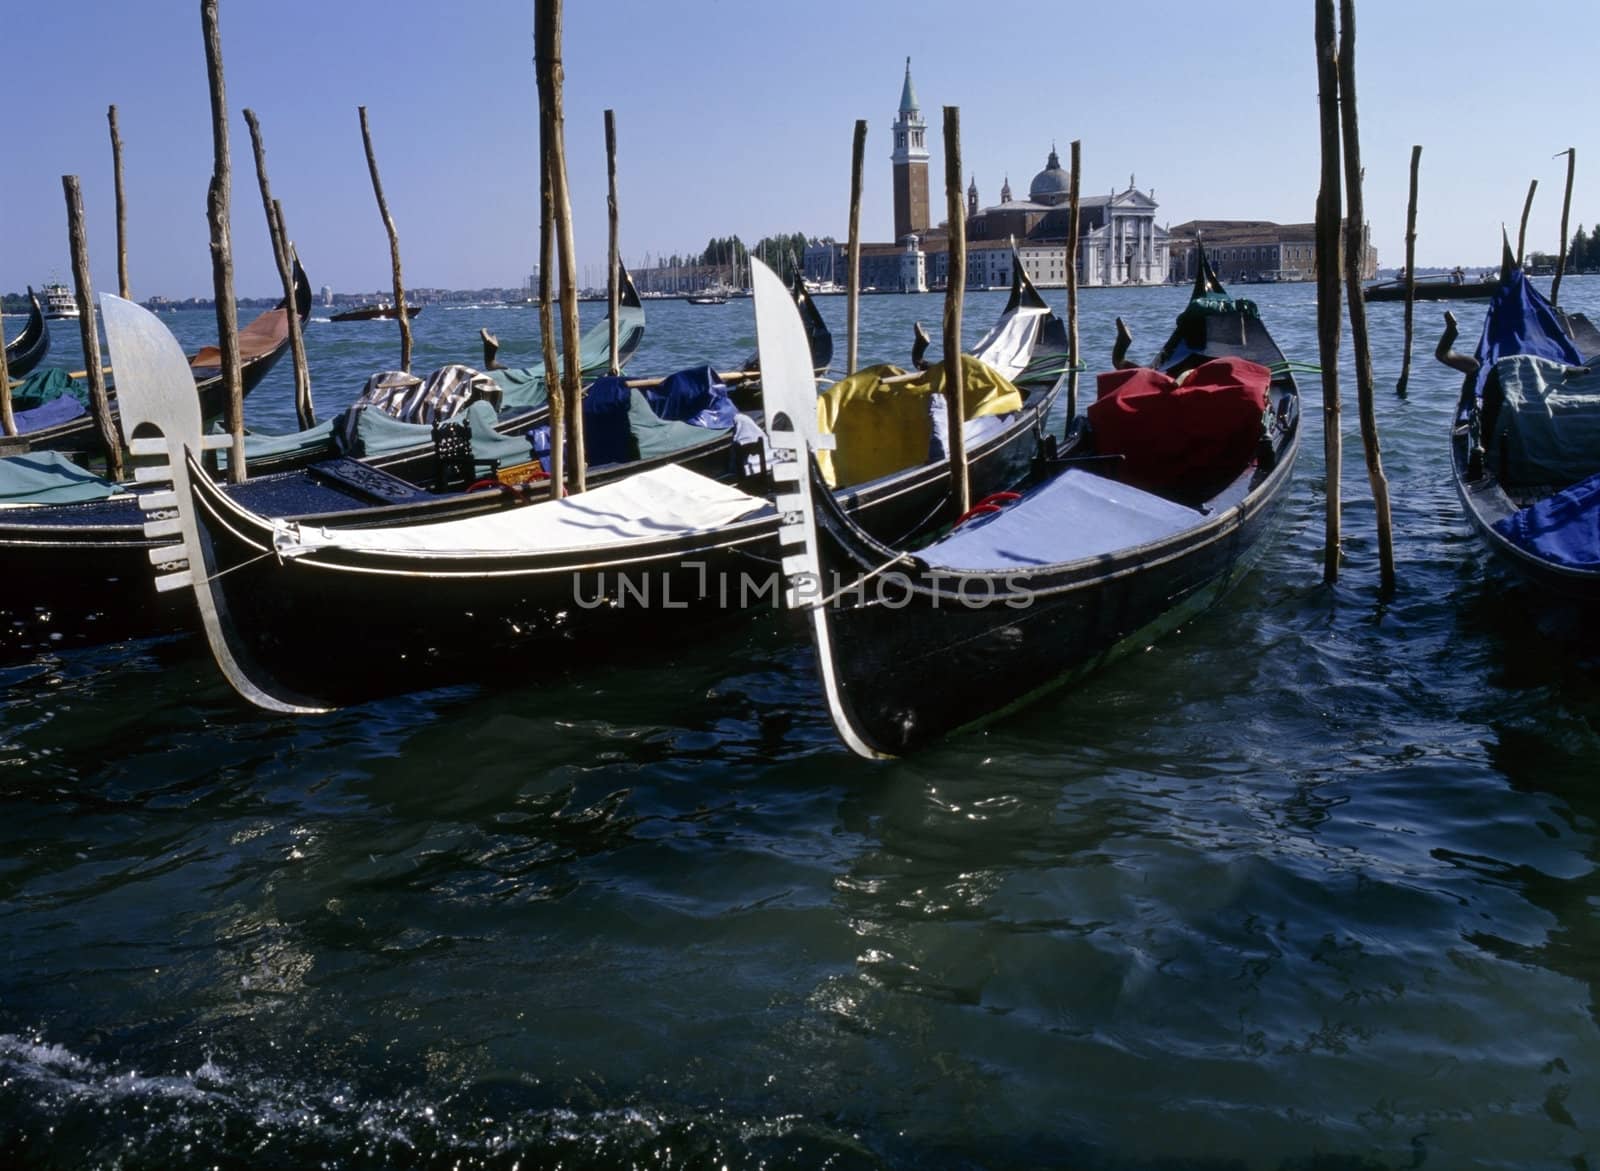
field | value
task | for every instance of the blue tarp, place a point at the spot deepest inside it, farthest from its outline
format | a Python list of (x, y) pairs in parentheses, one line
[(1521, 321), (48, 477), (1563, 528), (607, 438), (57, 410), (45, 386), (693, 396)]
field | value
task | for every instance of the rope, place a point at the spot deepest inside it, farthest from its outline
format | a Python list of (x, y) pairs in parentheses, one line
[(859, 582)]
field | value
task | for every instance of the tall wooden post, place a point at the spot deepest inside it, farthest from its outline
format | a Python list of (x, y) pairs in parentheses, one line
[(547, 328), (99, 400), (613, 261), (400, 314), (1566, 206), (217, 212), (1072, 283), (304, 409), (1327, 259), (547, 58), (122, 207), (1354, 256), (1411, 271), (955, 290), (858, 152), (280, 253), (8, 417), (1522, 232)]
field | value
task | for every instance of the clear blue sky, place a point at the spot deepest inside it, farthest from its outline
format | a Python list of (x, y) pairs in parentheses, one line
[(737, 115)]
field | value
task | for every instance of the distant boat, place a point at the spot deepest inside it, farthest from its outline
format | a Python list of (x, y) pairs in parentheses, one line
[(708, 299), (59, 301), (372, 312), (1434, 287)]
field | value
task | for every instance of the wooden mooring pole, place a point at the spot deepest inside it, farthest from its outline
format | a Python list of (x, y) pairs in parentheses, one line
[(400, 314), (858, 152), (122, 207), (217, 213), (547, 55), (8, 417), (1522, 232), (281, 254), (613, 259), (547, 330), (1566, 207), (1354, 257), (1411, 271), (1072, 284), (955, 290), (88, 328), (1327, 260)]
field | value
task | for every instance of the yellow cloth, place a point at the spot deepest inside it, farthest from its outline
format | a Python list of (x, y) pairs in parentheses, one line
[(882, 428)]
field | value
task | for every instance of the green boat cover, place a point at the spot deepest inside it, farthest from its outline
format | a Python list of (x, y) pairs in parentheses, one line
[(43, 386), (311, 441), (48, 477), (522, 389), (1547, 431), (377, 433), (525, 387), (655, 437)]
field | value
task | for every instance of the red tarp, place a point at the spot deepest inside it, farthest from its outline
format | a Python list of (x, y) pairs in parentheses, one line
[(1186, 437)]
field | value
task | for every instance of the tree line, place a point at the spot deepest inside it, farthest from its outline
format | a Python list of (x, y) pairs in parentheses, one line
[(783, 253)]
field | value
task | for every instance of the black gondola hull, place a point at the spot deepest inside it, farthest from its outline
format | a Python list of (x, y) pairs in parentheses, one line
[(411, 622), (28, 348), (920, 653)]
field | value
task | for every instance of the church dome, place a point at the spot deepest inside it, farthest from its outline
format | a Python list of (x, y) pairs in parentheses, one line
[(1051, 185)]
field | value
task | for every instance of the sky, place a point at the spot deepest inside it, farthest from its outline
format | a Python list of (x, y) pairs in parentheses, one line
[(736, 116)]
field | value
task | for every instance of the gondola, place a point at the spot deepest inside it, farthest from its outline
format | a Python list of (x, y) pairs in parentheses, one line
[(303, 616), (523, 395), (75, 556), (375, 313), (1122, 535), (1525, 438), (28, 348), (261, 343), (1440, 287)]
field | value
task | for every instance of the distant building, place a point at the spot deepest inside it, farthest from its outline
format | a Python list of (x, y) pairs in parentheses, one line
[(910, 159), (1243, 251), (1119, 240), (327, 295)]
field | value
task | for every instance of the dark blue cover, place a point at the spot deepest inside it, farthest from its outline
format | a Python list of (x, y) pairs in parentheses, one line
[(1563, 528), (57, 410), (607, 438), (693, 396), (1521, 321)]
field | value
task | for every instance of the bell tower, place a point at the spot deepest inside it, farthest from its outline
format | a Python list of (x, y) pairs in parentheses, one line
[(910, 160)]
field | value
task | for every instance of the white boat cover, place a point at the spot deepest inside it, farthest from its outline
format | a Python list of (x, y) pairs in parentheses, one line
[(664, 502), (1077, 515), (1008, 347)]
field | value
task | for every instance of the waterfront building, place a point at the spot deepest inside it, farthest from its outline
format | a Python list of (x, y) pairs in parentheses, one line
[(1245, 251)]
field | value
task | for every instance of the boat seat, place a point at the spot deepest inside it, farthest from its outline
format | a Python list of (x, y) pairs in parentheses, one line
[(455, 465), (365, 480)]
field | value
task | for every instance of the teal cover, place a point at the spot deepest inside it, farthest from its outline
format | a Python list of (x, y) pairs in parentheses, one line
[(48, 477), (1547, 431), (655, 436), (43, 386), (378, 434), (522, 389)]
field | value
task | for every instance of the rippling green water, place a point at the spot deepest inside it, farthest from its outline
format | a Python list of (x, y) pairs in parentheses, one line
[(1311, 883)]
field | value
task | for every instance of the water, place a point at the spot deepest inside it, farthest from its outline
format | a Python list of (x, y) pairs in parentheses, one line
[(1311, 883)]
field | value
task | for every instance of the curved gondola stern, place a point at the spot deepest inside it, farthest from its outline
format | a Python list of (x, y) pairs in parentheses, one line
[(161, 424), (792, 431)]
